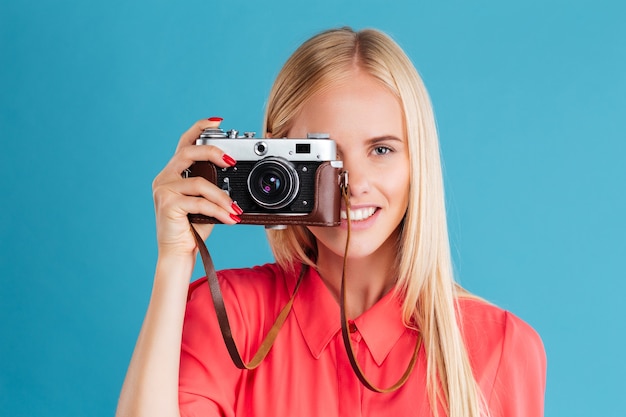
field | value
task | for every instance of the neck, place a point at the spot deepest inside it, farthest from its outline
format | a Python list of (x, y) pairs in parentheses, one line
[(367, 279)]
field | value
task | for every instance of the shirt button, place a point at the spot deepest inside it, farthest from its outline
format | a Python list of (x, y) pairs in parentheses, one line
[(352, 327)]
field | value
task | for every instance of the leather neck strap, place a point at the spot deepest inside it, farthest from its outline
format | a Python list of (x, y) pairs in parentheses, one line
[(347, 341), (222, 317), (266, 345)]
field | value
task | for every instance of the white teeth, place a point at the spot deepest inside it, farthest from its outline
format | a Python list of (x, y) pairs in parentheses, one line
[(358, 214)]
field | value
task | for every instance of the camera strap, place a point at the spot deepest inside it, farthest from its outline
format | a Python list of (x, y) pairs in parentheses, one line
[(268, 341), (347, 341), (222, 316)]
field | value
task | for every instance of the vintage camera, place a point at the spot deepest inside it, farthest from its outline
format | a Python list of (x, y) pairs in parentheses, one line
[(277, 182)]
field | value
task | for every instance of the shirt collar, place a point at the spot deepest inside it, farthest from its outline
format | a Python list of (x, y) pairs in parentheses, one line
[(318, 316)]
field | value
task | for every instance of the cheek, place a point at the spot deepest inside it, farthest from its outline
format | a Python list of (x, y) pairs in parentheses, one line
[(401, 199), (397, 186)]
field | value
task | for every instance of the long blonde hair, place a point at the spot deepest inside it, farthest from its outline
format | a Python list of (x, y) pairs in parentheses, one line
[(425, 280)]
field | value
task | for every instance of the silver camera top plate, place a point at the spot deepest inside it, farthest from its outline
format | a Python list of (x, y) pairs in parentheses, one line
[(252, 149)]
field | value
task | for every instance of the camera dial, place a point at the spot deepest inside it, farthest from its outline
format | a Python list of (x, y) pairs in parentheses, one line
[(260, 148)]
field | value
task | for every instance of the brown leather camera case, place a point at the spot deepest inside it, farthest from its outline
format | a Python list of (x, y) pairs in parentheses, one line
[(325, 211)]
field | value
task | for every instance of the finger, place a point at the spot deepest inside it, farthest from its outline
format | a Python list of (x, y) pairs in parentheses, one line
[(200, 205), (190, 136), (197, 187), (190, 154), (201, 187)]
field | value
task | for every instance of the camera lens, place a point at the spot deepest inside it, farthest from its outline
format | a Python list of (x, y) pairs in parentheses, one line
[(270, 183), (273, 183)]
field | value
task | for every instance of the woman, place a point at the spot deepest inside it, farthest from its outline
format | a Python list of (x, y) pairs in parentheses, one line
[(473, 359)]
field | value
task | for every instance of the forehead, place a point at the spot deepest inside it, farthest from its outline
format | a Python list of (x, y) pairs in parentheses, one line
[(359, 105)]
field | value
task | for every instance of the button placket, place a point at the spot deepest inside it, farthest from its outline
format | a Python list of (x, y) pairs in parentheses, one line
[(350, 388), (355, 335)]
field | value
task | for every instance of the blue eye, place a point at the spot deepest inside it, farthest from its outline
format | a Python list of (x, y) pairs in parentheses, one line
[(382, 150)]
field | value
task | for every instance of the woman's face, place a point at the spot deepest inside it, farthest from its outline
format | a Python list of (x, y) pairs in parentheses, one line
[(366, 121)]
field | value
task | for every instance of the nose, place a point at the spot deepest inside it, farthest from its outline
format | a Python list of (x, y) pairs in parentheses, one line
[(358, 176)]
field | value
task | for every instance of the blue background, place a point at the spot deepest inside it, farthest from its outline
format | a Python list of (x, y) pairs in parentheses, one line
[(530, 98)]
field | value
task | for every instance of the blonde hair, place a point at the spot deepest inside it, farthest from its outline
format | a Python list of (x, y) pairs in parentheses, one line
[(425, 279)]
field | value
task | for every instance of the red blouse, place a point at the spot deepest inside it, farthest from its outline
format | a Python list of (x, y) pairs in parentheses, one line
[(307, 372)]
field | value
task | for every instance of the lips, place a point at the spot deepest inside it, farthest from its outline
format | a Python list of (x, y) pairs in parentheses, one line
[(358, 214)]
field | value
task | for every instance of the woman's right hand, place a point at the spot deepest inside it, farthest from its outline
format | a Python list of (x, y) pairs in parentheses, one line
[(151, 383), (175, 196)]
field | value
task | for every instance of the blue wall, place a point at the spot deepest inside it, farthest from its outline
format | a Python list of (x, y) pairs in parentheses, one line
[(530, 98)]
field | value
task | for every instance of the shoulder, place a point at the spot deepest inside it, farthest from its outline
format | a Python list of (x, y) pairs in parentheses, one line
[(484, 323), (507, 355), (242, 282), (250, 294)]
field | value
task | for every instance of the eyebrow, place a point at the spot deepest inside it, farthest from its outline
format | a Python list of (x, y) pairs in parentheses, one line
[(384, 138)]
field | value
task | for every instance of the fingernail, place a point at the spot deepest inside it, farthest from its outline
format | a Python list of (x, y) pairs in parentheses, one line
[(236, 207), (214, 122), (235, 218), (229, 160)]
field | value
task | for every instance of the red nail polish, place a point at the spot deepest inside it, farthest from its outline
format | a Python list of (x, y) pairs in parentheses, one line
[(215, 119), (229, 160), (235, 218), (236, 207)]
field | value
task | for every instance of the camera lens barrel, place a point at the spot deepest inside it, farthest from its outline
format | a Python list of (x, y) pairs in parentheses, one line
[(273, 183)]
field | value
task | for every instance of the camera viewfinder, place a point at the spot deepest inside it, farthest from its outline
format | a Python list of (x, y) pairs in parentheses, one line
[(303, 148)]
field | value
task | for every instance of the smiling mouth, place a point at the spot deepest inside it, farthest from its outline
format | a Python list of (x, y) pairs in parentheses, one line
[(358, 214)]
